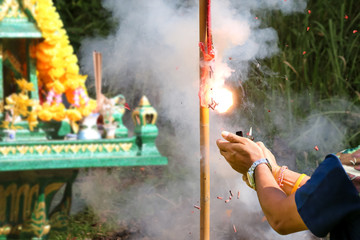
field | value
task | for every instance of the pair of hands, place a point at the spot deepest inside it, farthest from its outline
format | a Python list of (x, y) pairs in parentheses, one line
[(241, 153)]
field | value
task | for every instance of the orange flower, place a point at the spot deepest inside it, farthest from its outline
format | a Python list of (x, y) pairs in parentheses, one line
[(58, 87), (57, 64), (32, 120), (73, 115), (59, 115), (72, 68), (25, 85), (42, 65), (56, 73), (70, 96), (45, 115)]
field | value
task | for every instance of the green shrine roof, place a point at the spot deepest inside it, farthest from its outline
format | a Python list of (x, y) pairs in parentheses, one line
[(18, 28)]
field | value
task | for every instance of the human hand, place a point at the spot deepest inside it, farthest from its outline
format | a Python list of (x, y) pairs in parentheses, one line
[(269, 156), (239, 152)]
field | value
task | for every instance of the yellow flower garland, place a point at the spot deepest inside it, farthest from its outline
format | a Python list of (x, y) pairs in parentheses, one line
[(57, 66)]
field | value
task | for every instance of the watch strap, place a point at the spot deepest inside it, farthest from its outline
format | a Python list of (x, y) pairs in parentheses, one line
[(251, 171)]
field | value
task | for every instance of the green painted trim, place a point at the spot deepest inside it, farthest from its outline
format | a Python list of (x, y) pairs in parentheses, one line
[(84, 162), (19, 29), (67, 142), (58, 154)]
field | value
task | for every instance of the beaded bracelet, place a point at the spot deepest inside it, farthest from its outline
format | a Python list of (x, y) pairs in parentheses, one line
[(281, 175)]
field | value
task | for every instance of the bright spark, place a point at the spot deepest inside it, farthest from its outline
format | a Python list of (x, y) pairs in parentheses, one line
[(224, 98)]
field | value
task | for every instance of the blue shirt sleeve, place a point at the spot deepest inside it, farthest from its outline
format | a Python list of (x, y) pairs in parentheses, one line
[(327, 198)]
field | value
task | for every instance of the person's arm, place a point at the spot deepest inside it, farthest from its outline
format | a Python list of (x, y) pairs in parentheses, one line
[(280, 210), (289, 177)]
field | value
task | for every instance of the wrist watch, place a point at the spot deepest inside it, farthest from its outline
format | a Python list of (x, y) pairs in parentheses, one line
[(251, 171)]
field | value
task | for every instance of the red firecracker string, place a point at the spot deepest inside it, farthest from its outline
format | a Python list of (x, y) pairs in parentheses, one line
[(208, 56), (127, 106)]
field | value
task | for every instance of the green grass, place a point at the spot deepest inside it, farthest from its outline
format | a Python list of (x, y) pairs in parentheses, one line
[(83, 225), (324, 81)]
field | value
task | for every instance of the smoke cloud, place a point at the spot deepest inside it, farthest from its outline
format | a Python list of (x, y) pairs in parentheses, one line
[(154, 52)]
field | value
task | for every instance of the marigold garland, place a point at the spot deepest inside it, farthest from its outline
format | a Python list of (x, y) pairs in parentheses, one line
[(58, 70)]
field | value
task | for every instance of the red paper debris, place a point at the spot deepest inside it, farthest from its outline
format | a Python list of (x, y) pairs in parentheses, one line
[(304, 52), (269, 111), (355, 31), (142, 169), (219, 198), (234, 228), (346, 17), (316, 148), (238, 196), (256, 17), (308, 28), (309, 11), (127, 106), (230, 58), (197, 207)]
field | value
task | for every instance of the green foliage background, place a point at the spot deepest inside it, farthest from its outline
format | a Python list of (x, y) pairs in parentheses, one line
[(317, 75), (84, 18)]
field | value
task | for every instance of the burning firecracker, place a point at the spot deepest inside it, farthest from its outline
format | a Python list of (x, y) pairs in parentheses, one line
[(219, 198), (195, 206)]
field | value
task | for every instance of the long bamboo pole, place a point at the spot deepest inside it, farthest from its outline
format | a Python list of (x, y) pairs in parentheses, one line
[(204, 141)]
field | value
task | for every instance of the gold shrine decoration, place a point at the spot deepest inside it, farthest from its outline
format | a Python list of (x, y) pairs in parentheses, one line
[(62, 148), (15, 194), (11, 8)]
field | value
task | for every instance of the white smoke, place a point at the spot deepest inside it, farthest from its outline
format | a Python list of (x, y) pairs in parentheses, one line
[(154, 52)]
